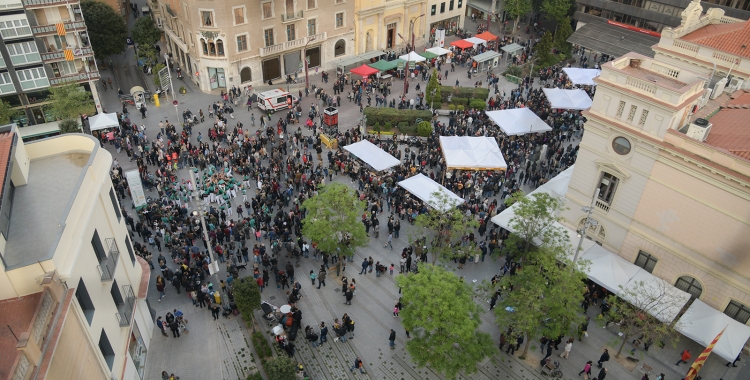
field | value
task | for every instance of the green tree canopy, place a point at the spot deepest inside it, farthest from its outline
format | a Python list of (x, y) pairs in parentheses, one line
[(535, 215), (333, 220), (69, 126), (433, 85), (543, 50), (516, 9), (70, 101), (145, 31), (106, 28), (556, 9), (247, 297), (6, 113), (564, 31), (280, 368), (442, 228), (443, 319)]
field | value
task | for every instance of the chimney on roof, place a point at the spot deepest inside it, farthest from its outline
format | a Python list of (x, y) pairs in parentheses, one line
[(635, 63)]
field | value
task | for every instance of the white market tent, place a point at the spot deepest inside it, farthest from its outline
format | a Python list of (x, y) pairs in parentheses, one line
[(582, 76), (412, 57), (372, 155), (702, 323), (609, 270), (437, 50), (568, 99), (476, 41), (425, 189), (103, 121), (472, 153), (518, 121), (656, 297)]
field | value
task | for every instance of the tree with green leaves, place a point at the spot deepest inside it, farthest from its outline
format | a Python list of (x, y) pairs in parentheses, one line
[(556, 9), (516, 9), (535, 217), (634, 310), (70, 101), (155, 71), (443, 319), (145, 31), (433, 86), (280, 368), (564, 31), (247, 297), (69, 126), (543, 50), (7, 113), (106, 28), (333, 222), (442, 228)]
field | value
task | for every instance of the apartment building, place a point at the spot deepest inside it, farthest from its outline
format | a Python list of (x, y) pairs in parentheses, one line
[(238, 43), (71, 288), (42, 43), (448, 15), (386, 24)]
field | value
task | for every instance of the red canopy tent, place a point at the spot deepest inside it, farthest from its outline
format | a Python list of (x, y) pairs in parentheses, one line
[(487, 36), (364, 71), (463, 44)]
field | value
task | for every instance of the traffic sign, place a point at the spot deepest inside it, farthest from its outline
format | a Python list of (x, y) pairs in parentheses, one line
[(175, 103)]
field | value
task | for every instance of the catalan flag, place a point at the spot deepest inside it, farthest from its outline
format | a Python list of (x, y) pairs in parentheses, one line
[(693, 371), (69, 56), (60, 28)]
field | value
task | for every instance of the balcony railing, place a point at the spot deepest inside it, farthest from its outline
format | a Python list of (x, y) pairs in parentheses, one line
[(294, 44), (602, 205), (59, 55), (34, 4), (125, 310), (108, 266), (288, 17), (77, 78), (70, 26)]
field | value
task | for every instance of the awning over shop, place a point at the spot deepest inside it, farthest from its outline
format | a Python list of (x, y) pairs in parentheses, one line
[(472, 153), (372, 155), (364, 70), (607, 269), (613, 40), (463, 44), (428, 55), (103, 121), (384, 65), (412, 57), (425, 188), (568, 99), (370, 55), (512, 48), (346, 61), (437, 50), (487, 36), (518, 121), (582, 76), (486, 56), (702, 323), (475, 41)]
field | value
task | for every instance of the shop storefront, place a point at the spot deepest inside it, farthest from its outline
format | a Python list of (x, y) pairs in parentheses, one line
[(137, 350), (217, 78), (271, 69), (450, 25), (313, 57), (291, 62)]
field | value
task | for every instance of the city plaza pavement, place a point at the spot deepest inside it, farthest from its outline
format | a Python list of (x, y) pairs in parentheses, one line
[(222, 350)]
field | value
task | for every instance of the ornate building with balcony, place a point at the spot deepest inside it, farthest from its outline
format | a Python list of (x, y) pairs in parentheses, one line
[(236, 43), (44, 43), (71, 287), (388, 24)]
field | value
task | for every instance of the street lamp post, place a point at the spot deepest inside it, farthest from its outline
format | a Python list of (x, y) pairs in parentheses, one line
[(201, 217), (408, 53), (304, 58), (588, 222)]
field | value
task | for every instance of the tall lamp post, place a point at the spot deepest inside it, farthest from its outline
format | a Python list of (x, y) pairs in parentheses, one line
[(588, 222), (200, 217), (408, 53), (304, 58)]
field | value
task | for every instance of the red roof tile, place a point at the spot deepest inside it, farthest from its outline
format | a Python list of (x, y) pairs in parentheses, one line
[(16, 313), (730, 38), (730, 130)]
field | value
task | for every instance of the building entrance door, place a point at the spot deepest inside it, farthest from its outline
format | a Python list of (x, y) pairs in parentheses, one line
[(391, 35)]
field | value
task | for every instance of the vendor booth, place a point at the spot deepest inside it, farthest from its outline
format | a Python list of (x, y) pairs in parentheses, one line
[(377, 158), (462, 44), (438, 51), (103, 121), (475, 41), (472, 153), (487, 60), (425, 189), (412, 57), (518, 121), (702, 323), (511, 50), (364, 71), (580, 76), (568, 99), (384, 65)]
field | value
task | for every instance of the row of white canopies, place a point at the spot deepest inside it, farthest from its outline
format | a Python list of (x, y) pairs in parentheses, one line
[(700, 322)]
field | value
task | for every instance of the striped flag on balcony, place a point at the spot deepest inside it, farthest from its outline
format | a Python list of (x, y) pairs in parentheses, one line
[(60, 28), (69, 56)]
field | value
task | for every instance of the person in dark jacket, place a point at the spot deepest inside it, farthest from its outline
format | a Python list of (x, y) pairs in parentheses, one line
[(602, 374), (603, 358), (392, 340)]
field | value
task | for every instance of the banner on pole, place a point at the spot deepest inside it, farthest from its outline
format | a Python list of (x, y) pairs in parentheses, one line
[(440, 37), (701, 359)]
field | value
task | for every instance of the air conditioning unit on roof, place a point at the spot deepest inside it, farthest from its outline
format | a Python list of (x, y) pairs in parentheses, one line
[(699, 129)]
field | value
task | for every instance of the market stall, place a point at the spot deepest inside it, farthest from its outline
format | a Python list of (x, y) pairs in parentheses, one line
[(518, 121), (472, 153), (475, 41), (702, 323), (426, 189), (428, 55), (438, 51), (568, 99), (664, 300), (384, 65), (511, 50), (377, 158), (580, 76), (103, 121), (487, 60), (364, 71), (412, 57), (462, 44)]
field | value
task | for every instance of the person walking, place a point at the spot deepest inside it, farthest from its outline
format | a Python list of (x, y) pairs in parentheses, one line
[(358, 364), (684, 357), (162, 326), (392, 340), (349, 295), (323, 333), (586, 370), (602, 374), (365, 264), (313, 276), (568, 348), (311, 336), (160, 287), (388, 243), (603, 358), (322, 277)]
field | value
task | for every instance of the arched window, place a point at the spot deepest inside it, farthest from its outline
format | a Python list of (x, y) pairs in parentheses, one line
[(339, 48), (689, 285), (246, 75), (205, 46), (220, 47)]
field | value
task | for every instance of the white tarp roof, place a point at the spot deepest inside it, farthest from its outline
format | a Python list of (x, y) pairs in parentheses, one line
[(568, 99), (412, 57), (424, 188), (702, 323), (660, 299), (437, 50), (475, 41), (511, 48), (608, 269), (372, 155), (582, 76), (518, 121), (473, 153), (102, 121)]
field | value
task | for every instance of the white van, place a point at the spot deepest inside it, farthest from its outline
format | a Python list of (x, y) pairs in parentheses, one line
[(274, 100)]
